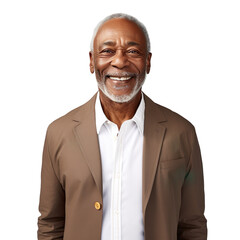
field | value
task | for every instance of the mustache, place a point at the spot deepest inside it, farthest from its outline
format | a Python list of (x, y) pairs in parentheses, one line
[(119, 74)]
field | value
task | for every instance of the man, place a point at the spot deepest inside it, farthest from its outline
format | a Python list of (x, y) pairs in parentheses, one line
[(121, 166)]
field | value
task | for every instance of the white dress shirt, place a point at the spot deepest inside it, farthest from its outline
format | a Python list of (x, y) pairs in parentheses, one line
[(121, 157)]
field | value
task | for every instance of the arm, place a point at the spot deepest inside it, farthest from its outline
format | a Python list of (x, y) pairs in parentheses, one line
[(52, 201), (192, 223)]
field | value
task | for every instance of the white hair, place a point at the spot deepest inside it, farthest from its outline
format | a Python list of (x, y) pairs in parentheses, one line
[(124, 16)]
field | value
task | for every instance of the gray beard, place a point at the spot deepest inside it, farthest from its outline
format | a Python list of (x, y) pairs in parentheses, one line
[(123, 98)]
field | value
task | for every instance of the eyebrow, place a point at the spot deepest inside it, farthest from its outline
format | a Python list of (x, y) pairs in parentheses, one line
[(133, 44), (111, 43), (108, 43)]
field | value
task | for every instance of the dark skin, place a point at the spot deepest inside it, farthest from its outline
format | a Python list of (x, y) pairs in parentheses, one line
[(120, 48)]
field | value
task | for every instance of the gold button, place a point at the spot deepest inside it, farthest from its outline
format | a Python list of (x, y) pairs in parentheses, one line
[(98, 205)]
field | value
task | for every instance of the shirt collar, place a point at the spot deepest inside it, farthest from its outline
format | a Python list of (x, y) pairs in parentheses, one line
[(101, 118)]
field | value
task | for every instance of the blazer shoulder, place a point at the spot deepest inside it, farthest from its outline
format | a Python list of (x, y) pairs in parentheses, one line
[(178, 127), (171, 119), (63, 121), (62, 125), (175, 118), (166, 115)]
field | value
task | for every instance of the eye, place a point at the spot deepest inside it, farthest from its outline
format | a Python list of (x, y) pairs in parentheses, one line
[(107, 51), (133, 52)]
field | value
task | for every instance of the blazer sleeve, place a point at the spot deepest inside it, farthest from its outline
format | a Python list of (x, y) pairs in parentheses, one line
[(192, 222), (52, 200)]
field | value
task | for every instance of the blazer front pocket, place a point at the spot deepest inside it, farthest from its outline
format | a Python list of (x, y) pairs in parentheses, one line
[(172, 174)]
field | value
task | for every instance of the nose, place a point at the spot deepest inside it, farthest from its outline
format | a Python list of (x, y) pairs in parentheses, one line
[(119, 60)]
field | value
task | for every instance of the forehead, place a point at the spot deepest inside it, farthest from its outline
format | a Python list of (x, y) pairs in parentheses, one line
[(120, 29)]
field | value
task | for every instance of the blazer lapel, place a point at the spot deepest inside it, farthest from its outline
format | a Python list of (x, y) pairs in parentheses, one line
[(154, 134), (87, 139)]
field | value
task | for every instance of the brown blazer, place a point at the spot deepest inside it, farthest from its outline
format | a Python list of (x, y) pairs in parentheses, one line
[(71, 181)]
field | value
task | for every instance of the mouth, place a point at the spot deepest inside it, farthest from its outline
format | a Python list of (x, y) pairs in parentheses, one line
[(120, 82), (119, 78)]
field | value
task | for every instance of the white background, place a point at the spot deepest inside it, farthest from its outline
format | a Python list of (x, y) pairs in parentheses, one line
[(44, 73)]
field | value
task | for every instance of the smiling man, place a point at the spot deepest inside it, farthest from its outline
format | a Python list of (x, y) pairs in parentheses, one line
[(121, 167), (121, 60)]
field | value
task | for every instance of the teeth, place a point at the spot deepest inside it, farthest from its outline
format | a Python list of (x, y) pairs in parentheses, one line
[(120, 78)]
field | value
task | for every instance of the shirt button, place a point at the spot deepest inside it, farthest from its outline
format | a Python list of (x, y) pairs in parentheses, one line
[(98, 205)]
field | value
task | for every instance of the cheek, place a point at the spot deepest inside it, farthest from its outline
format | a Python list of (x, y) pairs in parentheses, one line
[(139, 65), (99, 68), (101, 64)]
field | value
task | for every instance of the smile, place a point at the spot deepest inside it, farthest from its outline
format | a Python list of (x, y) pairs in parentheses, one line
[(120, 78)]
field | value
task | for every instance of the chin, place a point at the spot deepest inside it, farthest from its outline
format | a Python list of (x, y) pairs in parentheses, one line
[(121, 98)]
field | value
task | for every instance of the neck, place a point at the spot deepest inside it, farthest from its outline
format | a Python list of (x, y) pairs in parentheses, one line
[(119, 112)]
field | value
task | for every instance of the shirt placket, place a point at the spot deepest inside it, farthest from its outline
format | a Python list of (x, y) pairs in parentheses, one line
[(116, 184)]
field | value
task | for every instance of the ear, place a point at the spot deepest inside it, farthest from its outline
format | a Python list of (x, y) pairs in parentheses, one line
[(91, 65), (148, 63)]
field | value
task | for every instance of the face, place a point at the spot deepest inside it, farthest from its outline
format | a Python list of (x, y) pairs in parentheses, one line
[(120, 59)]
